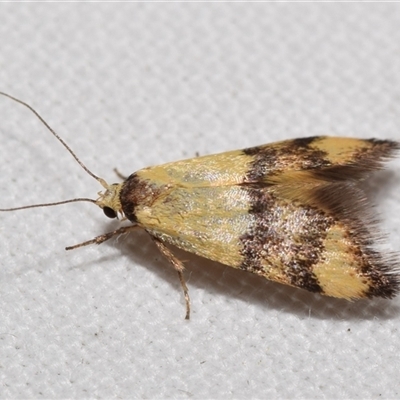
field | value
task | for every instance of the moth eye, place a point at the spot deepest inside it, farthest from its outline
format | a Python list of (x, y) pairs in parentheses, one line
[(109, 212)]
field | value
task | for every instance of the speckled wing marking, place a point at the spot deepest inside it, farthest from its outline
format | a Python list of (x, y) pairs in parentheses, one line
[(290, 212), (321, 249)]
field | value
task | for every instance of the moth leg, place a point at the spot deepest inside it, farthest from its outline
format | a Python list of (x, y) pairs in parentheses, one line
[(121, 176), (102, 238), (178, 265)]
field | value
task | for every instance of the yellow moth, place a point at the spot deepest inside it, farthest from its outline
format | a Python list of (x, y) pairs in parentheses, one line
[(291, 212)]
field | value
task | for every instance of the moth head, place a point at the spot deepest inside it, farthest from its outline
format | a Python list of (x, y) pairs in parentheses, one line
[(109, 200)]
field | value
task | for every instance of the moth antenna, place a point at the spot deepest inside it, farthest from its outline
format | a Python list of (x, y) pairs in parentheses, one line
[(48, 204), (102, 181)]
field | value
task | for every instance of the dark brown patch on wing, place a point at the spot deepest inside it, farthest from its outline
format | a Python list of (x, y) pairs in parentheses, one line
[(385, 280), (294, 154), (382, 273), (387, 287), (305, 142), (137, 192), (287, 236)]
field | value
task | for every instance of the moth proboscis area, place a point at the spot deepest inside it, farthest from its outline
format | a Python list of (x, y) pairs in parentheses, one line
[(292, 212)]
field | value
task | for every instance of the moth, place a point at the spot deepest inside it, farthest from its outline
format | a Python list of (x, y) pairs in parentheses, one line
[(292, 212)]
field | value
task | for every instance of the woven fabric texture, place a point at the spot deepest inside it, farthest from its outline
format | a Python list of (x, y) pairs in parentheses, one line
[(129, 85)]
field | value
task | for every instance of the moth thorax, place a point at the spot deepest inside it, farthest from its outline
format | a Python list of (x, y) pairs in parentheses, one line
[(137, 192)]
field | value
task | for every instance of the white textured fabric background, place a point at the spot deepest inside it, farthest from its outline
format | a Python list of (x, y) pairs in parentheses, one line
[(133, 85)]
